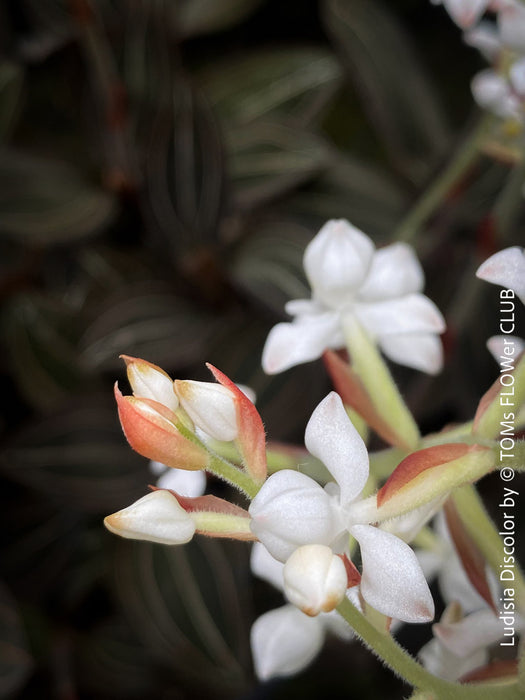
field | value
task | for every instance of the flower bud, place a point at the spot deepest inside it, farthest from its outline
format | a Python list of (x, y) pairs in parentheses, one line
[(150, 382), (337, 261), (315, 579), (157, 517), (210, 406)]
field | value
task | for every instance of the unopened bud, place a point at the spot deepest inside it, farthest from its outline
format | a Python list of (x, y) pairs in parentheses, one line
[(150, 382), (315, 579), (210, 406)]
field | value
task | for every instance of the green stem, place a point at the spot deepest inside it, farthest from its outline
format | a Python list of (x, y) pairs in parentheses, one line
[(434, 195), (375, 375), (394, 656), (221, 467)]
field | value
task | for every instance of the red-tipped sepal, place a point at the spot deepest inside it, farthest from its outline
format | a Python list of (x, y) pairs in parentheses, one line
[(149, 429), (250, 439), (215, 517), (430, 473), (351, 389)]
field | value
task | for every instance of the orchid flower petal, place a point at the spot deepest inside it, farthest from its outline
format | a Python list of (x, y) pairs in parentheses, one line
[(413, 313), (498, 343), (210, 406), (507, 269), (290, 344), (476, 631), (491, 91), (422, 351), (331, 437), (284, 641), (394, 272), (465, 13), (392, 581), (191, 484), (511, 25), (337, 260), (315, 579), (157, 517), (290, 510), (150, 382), (441, 662), (265, 566)]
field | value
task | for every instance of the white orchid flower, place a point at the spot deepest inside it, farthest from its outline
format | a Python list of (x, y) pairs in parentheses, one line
[(350, 279), (185, 483), (284, 641), (292, 510), (465, 13), (505, 268)]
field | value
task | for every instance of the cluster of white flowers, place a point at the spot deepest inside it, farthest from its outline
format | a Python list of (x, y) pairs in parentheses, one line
[(500, 36), (307, 534)]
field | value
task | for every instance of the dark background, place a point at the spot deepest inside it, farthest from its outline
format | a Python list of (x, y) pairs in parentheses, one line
[(162, 166)]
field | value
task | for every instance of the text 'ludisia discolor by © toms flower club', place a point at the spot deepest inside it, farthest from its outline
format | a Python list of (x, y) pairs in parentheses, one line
[(353, 554)]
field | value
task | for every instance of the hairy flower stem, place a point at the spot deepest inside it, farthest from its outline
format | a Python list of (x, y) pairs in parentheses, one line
[(405, 666), (221, 468), (434, 195)]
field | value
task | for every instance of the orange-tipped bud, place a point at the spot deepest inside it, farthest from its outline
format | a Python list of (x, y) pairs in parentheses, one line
[(150, 382), (150, 431)]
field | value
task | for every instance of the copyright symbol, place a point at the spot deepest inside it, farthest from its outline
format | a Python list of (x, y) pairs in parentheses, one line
[(507, 473)]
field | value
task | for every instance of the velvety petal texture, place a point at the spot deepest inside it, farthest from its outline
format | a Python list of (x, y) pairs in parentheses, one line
[(507, 269), (304, 340), (315, 579), (422, 351), (210, 406), (392, 581), (157, 517), (290, 510), (336, 261), (331, 437), (394, 272), (413, 313), (284, 641)]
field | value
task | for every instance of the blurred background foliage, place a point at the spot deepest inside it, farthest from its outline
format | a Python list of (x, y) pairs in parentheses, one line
[(163, 164)]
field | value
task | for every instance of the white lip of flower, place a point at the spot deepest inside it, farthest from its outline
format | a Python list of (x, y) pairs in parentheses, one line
[(465, 13), (184, 482), (284, 641), (292, 510), (498, 94), (380, 288)]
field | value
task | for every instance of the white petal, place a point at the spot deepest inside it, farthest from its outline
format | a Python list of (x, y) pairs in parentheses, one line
[(336, 625), (304, 340), (465, 13), (395, 271), (517, 76), (284, 641), (498, 343), (493, 92), (476, 631), (485, 38), (413, 313), (422, 351), (210, 406), (187, 483), (315, 579), (441, 662), (290, 510), (265, 566), (149, 382), (408, 525), (304, 307), (157, 517), (336, 262), (511, 23), (331, 437), (506, 268), (392, 581)]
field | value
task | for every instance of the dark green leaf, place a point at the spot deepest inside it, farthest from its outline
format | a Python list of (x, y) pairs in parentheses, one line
[(79, 457), (194, 17), (267, 159), (286, 82), (11, 80), (396, 92), (15, 661), (146, 321), (44, 202), (184, 602)]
